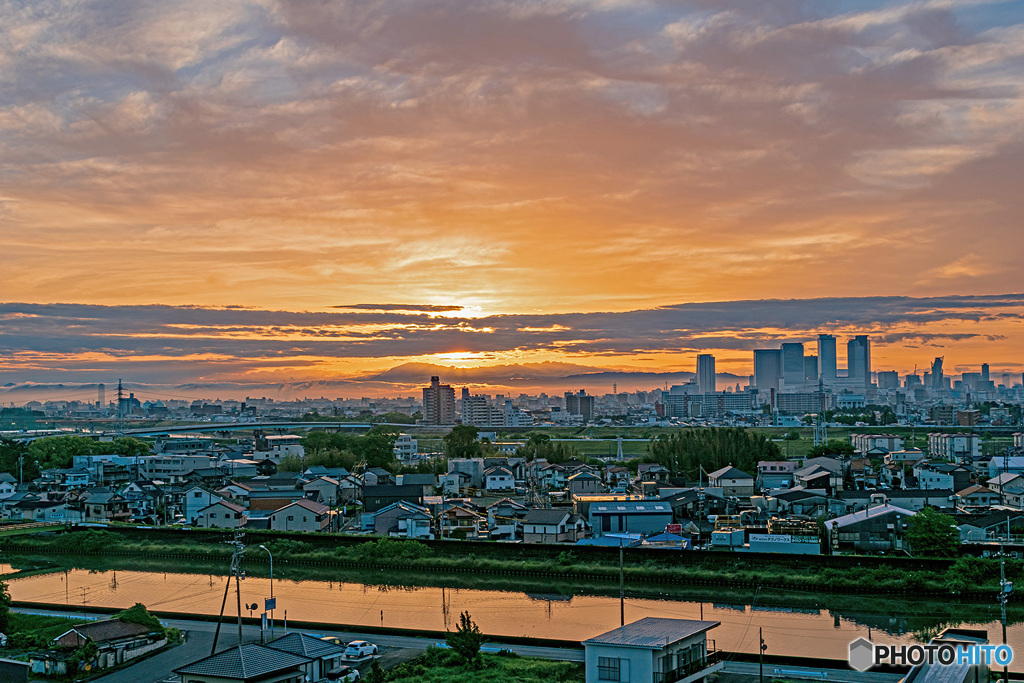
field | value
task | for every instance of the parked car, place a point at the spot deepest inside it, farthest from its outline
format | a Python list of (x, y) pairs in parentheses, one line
[(343, 673), (358, 649), (333, 639)]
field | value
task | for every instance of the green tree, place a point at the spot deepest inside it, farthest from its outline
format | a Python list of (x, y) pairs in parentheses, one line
[(461, 442), (376, 674), (685, 452), (59, 451), (5, 608), (377, 448), (832, 447), (933, 534), (10, 453), (466, 641)]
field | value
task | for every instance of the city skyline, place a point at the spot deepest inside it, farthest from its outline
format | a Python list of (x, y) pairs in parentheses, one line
[(237, 352), (260, 192)]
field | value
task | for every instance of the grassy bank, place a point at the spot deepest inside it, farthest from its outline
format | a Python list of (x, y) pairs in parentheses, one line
[(968, 577), (442, 666)]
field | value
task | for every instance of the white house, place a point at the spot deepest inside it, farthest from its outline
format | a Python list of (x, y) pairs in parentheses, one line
[(8, 485), (221, 514), (406, 447), (499, 479), (195, 499), (549, 525), (732, 481), (302, 515), (652, 649)]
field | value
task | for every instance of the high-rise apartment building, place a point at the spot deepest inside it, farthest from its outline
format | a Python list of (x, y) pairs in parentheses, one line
[(888, 379), (706, 374), (767, 372), (792, 365), (827, 358), (580, 404), (858, 359), (810, 369), (438, 403)]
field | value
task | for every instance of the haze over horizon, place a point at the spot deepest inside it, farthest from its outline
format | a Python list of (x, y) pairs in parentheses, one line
[(258, 192)]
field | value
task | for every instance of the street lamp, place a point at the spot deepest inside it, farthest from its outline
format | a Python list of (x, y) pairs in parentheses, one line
[(272, 603)]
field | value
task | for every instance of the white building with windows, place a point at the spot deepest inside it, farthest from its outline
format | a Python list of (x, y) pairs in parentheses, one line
[(652, 650)]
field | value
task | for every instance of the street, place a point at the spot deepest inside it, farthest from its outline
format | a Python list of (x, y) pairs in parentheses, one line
[(394, 649)]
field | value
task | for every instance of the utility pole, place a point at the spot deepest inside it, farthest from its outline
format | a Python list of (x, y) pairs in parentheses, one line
[(760, 674), (622, 589), (1005, 588), (236, 572)]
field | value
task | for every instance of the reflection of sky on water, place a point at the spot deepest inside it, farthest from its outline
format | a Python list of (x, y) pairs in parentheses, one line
[(800, 631)]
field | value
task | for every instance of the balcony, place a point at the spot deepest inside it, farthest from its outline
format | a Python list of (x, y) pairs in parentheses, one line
[(709, 664)]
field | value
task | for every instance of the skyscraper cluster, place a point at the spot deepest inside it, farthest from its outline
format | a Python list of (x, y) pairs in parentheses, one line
[(791, 369)]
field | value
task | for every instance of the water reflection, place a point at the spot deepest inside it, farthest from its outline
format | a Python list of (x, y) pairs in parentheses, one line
[(793, 622)]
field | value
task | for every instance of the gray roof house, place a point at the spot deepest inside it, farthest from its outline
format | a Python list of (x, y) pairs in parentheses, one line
[(325, 655), (652, 650), (247, 664)]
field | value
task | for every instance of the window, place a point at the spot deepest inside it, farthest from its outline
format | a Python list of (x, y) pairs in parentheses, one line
[(291, 518), (607, 668), (197, 494), (213, 515)]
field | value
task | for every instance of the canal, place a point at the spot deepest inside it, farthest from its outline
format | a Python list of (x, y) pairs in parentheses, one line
[(793, 623)]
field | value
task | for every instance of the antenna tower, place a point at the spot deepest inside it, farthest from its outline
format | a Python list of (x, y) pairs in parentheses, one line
[(122, 405)]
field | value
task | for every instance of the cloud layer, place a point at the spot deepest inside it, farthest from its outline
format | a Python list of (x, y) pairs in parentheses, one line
[(394, 351), (548, 156)]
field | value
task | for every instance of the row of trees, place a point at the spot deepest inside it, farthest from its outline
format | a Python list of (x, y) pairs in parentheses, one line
[(685, 452), (376, 448), (59, 452)]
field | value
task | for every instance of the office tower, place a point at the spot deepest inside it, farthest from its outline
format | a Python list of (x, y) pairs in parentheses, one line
[(984, 372), (792, 365), (579, 404), (858, 359), (811, 369), (938, 380), (827, 358), (706, 374), (888, 379), (438, 403), (767, 372), (101, 397)]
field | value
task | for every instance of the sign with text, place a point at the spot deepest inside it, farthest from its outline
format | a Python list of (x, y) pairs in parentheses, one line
[(269, 604)]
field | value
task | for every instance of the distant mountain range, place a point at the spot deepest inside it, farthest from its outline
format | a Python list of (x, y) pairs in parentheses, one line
[(402, 380)]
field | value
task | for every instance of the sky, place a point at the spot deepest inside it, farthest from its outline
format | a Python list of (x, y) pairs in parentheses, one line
[(266, 192)]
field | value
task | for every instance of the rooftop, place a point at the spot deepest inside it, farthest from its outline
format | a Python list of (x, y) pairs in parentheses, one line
[(652, 632), (244, 663)]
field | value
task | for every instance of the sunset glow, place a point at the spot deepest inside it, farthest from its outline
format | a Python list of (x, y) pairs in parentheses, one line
[(260, 191)]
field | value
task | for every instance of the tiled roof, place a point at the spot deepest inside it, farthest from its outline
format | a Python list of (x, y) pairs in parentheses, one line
[(652, 632), (306, 645), (545, 516), (729, 473), (100, 631), (244, 663)]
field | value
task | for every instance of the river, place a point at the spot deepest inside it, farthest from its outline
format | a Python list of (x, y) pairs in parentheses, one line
[(806, 630)]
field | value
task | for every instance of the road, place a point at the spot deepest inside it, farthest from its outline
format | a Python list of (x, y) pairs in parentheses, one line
[(159, 667), (393, 648)]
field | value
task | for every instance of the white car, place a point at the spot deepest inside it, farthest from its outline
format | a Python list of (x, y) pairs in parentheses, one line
[(358, 649), (343, 674)]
